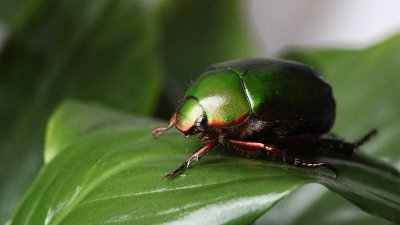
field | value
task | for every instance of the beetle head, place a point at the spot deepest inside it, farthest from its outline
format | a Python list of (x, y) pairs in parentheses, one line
[(191, 117)]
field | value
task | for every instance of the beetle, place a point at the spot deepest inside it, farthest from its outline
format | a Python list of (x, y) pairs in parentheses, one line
[(257, 105)]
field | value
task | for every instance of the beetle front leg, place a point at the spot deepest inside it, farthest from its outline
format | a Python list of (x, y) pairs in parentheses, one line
[(256, 146), (195, 156)]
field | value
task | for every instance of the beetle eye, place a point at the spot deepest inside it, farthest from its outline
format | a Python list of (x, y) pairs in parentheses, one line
[(201, 124)]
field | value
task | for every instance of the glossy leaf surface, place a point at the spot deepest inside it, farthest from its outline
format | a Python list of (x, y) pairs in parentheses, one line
[(108, 169)]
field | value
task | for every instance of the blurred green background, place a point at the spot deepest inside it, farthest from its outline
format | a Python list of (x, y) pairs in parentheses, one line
[(139, 57)]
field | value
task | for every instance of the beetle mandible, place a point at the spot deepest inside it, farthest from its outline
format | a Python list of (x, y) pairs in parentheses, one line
[(260, 105)]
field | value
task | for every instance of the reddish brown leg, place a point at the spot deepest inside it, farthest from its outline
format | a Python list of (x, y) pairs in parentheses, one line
[(195, 156), (256, 146), (157, 131)]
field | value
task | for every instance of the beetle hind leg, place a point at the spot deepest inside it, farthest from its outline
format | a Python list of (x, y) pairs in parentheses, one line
[(295, 161), (343, 147), (365, 138), (300, 163)]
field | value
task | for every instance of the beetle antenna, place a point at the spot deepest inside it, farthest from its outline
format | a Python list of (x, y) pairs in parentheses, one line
[(157, 131)]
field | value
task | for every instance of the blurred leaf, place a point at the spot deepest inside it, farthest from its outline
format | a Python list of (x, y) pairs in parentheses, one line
[(314, 204), (196, 34), (318, 206), (101, 51), (9, 10), (110, 171), (365, 84)]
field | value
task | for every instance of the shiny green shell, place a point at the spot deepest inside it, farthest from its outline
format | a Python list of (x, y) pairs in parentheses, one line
[(269, 89)]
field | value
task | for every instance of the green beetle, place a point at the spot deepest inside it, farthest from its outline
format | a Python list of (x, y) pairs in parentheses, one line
[(260, 105)]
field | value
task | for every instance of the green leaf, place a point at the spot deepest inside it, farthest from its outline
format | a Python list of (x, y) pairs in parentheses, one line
[(103, 51), (365, 84), (110, 169), (9, 10), (318, 206)]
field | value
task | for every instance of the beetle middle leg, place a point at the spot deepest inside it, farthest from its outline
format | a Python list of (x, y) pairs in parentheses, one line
[(195, 156), (257, 146)]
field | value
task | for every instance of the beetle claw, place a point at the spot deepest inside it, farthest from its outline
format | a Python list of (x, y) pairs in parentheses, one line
[(177, 170), (195, 156), (333, 168)]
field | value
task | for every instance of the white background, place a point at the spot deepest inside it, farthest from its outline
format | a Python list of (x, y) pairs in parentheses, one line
[(340, 23)]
